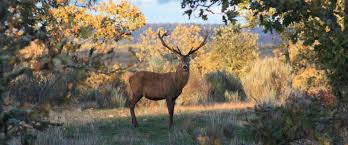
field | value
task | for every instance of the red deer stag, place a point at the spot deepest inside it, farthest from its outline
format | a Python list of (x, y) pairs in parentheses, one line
[(160, 86)]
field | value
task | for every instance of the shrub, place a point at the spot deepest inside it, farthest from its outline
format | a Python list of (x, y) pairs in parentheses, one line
[(96, 80), (221, 82), (33, 51), (65, 88), (231, 50), (213, 87), (310, 78), (268, 80), (323, 95), (301, 56), (94, 85), (42, 87), (105, 91), (301, 118), (315, 83)]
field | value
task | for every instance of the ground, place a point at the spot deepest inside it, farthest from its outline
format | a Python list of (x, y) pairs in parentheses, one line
[(205, 125)]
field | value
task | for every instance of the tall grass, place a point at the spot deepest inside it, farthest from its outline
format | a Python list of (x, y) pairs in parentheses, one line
[(41, 88), (268, 81), (111, 97)]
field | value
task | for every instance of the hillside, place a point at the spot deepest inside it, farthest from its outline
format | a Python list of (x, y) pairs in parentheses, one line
[(265, 39)]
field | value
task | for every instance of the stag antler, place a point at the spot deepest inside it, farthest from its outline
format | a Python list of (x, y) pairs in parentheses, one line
[(200, 45), (165, 45)]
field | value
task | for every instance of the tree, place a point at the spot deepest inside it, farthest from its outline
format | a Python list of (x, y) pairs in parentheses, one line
[(59, 26), (322, 23), (232, 50)]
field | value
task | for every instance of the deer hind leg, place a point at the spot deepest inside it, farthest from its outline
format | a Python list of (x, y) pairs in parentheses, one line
[(170, 106), (134, 101)]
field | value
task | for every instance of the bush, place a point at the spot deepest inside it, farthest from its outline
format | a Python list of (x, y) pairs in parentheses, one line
[(268, 80), (231, 50), (96, 80), (103, 91), (94, 86), (213, 87), (41, 88), (300, 119), (301, 56), (310, 78), (221, 82)]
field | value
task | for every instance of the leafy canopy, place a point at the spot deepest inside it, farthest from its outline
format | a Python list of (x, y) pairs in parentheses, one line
[(55, 28)]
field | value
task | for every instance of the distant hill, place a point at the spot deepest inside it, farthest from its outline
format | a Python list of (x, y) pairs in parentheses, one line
[(265, 39), (169, 27)]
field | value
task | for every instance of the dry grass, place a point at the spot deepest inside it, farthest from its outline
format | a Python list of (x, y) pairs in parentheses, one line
[(268, 81), (213, 124), (215, 107), (141, 111)]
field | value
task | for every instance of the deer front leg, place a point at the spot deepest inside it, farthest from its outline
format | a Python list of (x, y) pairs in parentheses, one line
[(133, 102), (170, 106), (134, 119)]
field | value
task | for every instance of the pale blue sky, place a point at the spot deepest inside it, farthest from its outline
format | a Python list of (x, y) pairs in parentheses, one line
[(169, 11)]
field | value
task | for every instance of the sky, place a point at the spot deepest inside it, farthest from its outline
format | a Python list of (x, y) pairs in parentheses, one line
[(169, 11)]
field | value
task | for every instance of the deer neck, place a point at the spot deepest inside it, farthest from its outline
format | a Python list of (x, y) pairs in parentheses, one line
[(181, 77)]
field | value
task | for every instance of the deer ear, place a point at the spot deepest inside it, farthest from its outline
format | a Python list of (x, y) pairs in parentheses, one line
[(172, 56), (179, 57)]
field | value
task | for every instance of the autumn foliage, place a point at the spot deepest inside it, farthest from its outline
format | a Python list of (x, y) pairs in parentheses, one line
[(45, 36)]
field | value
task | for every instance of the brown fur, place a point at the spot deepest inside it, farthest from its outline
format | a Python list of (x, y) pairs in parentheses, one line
[(157, 86), (160, 86)]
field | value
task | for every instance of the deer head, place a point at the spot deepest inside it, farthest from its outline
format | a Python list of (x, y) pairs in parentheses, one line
[(184, 58)]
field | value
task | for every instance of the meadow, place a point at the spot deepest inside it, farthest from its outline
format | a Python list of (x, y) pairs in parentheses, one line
[(277, 78), (193, 125)]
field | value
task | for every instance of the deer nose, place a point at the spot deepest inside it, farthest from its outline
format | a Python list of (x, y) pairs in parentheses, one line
[(185, 67)]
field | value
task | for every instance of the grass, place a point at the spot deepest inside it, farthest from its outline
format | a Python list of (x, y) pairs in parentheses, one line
[(193, 125), (268, 81)]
